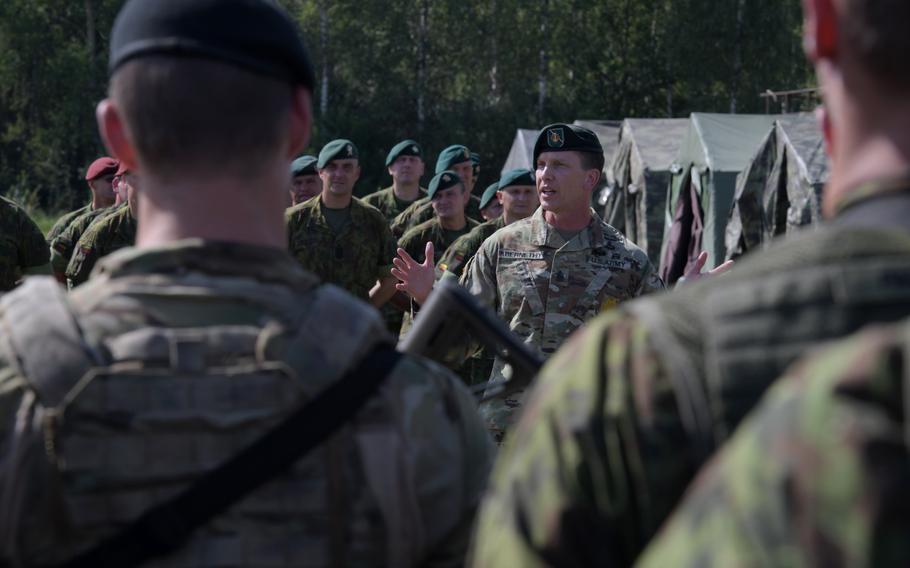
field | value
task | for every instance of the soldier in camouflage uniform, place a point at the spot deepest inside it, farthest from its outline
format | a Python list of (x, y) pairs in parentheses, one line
[(818, 474), (338, 237), (624, 416), (109, 231), (22, 246), (180, 352), (99, 177), (305, 182), (455, 158), (490, 208), (405, 165)]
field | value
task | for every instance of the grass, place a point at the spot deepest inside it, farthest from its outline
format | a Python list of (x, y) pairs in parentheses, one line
[(44, 219)]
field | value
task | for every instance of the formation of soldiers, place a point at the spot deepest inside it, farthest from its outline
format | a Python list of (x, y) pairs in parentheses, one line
[(210, 379)]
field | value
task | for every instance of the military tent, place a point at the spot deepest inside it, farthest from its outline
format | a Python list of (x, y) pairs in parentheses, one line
[(779, 191), (522, 150), (641, 173), (607, 132), (713, 152)]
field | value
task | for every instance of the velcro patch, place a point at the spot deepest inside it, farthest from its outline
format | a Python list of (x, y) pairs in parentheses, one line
[(612, 264), (521, 254)]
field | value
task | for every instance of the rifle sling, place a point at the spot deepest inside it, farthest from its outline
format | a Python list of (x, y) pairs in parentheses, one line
[(166, 527)]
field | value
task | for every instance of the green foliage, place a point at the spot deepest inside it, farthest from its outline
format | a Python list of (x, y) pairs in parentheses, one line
[(475, 67)]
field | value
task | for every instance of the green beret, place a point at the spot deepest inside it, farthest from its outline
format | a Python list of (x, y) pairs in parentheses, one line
[(340, 149), (488, 195), (403, 148), (517, 177), (475, 160), (257, 36), (451, 156), (566, 138), (303, 166), (443, 180)]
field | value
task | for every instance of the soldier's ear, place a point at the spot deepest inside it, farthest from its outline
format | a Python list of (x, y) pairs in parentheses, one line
[(114, 132), (300, 123)]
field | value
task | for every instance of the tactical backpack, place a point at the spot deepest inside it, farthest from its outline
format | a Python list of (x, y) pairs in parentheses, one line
[(158, 434)]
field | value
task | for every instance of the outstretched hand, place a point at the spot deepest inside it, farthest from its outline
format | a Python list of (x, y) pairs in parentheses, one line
[(415, 278), (694, 273)]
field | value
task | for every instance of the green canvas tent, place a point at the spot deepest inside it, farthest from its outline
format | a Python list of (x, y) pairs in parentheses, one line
[(641, 173), (522, 150), (780, 190), (607, 132), (714, 151)]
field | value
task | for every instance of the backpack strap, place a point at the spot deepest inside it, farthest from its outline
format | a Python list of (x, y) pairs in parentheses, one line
[(44, 340)]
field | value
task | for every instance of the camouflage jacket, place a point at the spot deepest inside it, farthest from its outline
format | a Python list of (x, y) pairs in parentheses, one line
[(545, 288), (389, 205), (421, 211), (108, 232), (396, 486), (353, 259), (461, 252), (22, 246), (816, 476), (627, 412), (64, 244), (63, 222), (416, 239)]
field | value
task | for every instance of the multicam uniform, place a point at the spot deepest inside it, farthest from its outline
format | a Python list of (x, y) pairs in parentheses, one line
[(200, 348), (816, 476), (354, 258), (388, 204), (108, 233), (623, 417), (544, 288), (64, 244), (22, 246)]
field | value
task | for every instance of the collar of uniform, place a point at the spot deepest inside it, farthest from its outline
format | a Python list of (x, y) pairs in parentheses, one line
[(219, 258), (872, 189), (545, 235)]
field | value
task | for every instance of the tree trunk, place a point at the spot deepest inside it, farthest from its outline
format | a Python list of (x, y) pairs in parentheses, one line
[(494, 53), (544, 63), (422, 33), (90, 29), (737, 54), (324, 47)]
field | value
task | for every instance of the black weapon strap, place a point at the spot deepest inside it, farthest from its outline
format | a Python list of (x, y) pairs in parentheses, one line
[(165, 528)]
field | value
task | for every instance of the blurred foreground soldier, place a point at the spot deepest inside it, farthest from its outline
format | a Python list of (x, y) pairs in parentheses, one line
[(305, 182), (108, 233), (490, 207), (623, 417), (818, 475), (99, 177), (548, 274), (23, 249), (184, 350), (455, 158), (338, 237), (405, 165)]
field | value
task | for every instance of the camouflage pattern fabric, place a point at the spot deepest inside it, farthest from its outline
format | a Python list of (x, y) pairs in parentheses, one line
[(353, 259), (63, 222), (108, 233), (623, 417), (22, 246), (63, 246), (415, 242), (817, 476), (458, 255), (421, 211), (389, 205), (397, 486), (545, 288)]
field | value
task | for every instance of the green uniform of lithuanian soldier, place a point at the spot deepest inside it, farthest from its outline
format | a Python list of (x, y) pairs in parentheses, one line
[(22, 246), (203, 373), (99, 177), (405, 164), (64, 245), (624, 416)]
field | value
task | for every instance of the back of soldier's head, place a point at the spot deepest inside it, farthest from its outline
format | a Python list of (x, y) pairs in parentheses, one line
[(206, 86), (875, 31)]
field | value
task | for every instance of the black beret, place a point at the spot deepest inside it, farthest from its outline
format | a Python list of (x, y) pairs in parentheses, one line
[(256, 35), (403, 148), (456, 154), (517, 177), (488, 194), (566, 138), (303, 166), (336, 150), (441, 181)]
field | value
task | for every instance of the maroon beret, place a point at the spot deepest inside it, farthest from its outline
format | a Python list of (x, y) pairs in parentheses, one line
[(102, 167)]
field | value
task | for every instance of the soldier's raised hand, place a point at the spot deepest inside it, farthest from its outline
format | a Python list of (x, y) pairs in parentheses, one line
[(415, 278)]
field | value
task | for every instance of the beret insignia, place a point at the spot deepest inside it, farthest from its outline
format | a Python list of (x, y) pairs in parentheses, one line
[(556, 138)]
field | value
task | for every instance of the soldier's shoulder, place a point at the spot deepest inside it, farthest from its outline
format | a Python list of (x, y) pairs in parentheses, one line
[(518, 232), (370, 211), (302, 210), (420, 230), (377, 197)]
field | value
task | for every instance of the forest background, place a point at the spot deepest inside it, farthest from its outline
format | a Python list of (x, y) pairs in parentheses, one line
[(440, 71)]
